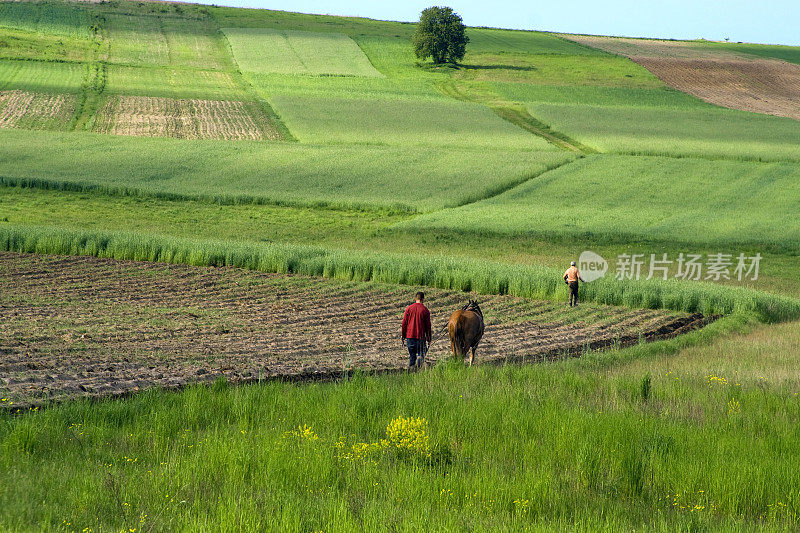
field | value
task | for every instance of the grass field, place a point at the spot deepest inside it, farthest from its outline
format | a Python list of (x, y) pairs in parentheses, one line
[(598, 451), (555, 69), (23, 44), (786, 53), (42, 76), (624, 97), (54, 18), (172, 83), (373, 175), (677, 200), (407, 122), (360, 176), (708, 133), (263, 51)]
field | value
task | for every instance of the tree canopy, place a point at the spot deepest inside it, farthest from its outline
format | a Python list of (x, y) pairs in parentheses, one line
[(440, 35)]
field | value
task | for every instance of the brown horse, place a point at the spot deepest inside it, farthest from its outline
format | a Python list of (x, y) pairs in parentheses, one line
[(466, 329)]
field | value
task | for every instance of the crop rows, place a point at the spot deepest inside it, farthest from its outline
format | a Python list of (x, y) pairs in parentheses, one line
[(21, 109), (186, 119)]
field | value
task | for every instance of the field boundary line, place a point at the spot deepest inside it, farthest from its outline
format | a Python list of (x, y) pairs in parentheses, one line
[(276, 121), (93, 86), (514, 113), (505, 187)]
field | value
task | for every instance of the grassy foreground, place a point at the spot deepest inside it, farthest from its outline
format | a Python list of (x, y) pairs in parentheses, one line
[(700, 439)]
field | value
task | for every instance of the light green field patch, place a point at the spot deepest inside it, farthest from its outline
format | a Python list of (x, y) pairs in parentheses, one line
[(136, 40), (164, 39), (172, 83), (767, 51), (298, 52), (711, 132), (195, 43), (622, 199), (409, 122), (41, 76), (346, 87)]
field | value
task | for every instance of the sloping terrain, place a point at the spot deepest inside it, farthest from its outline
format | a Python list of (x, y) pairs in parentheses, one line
[(728, 78), (77, 326)]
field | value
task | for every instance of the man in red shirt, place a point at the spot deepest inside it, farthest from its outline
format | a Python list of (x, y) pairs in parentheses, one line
[(416, 331)]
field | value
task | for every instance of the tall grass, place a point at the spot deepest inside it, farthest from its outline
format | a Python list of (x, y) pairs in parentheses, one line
[(441, 272), (536, 447)]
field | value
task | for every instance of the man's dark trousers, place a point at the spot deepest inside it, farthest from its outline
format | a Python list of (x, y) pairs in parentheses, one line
[(573, 293), (416, 350)]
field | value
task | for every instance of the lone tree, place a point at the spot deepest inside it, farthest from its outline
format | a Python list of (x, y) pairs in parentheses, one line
[(440, 35)]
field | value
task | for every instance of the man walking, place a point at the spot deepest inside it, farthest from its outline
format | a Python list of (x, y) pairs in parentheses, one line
[(571, 277), (416, 331)]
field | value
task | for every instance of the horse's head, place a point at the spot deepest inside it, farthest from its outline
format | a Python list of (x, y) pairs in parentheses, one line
[(472, 305)]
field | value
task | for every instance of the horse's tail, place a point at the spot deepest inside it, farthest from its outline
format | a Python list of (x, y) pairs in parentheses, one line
[(461, 335)]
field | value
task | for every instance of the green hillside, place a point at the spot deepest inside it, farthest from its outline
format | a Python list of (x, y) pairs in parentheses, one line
[(315, 145)]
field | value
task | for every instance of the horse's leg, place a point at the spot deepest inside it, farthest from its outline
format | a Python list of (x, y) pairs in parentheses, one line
[(472, 355)]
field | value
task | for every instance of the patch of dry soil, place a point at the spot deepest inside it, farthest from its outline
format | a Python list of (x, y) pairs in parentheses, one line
[(80, 326)]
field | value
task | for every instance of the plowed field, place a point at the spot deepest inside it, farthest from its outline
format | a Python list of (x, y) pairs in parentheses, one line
[(78, 326), (186, 119), (22, 109), (718, 76)]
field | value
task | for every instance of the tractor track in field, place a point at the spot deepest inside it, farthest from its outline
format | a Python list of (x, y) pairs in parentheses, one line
[(86, 327)]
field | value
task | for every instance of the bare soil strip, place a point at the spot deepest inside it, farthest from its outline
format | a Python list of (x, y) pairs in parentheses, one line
[(718, 76), (29, 110), (78, 326), (186, 119)]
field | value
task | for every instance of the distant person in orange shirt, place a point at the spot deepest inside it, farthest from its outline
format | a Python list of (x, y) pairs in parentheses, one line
[(571, 278)]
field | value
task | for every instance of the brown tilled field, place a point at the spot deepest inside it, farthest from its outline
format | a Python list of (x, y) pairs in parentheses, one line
[(79, 326), (22, 109), (718, 76), (186, 119)]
